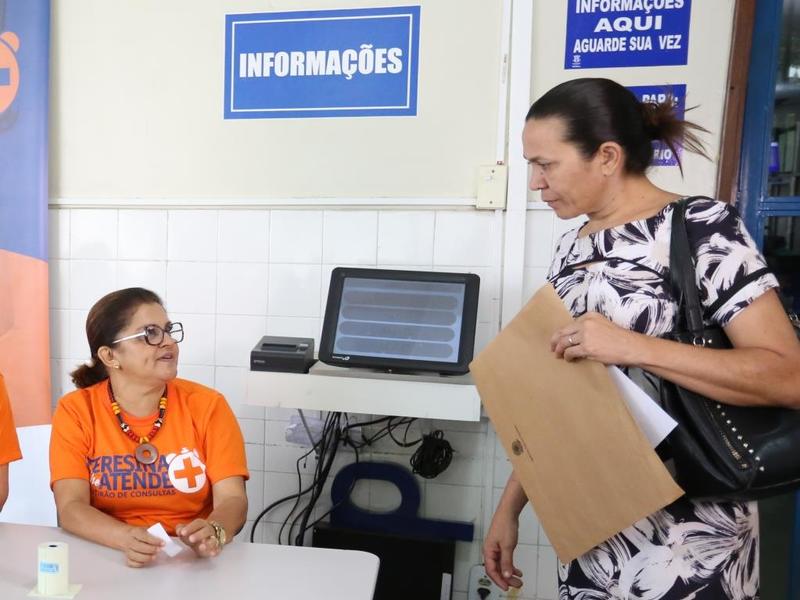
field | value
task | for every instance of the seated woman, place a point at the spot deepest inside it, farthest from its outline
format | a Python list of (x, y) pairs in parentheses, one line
[(9, 445), (134, 446)]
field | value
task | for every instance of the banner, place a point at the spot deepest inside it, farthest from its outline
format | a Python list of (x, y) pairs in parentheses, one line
[(24, 331), (331, 63), (627, 33)]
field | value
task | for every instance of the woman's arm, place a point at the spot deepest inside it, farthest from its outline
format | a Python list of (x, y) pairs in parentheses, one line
[(763, 368), (76, 515), (230, 505), (230, 511), (501, 539)]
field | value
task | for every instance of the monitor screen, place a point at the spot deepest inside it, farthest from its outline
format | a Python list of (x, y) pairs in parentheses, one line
[(412, 320)]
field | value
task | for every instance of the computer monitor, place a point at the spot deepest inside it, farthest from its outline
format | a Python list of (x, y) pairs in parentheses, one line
[(400, 320)]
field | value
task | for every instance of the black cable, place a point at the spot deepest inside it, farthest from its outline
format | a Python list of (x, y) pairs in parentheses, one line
[(323, 476), (404, 443), (405, 433), (301, 493), (269, 508), (429, 460), (298, 496), (365, 441), (433, 456), (344, 438), (322, 449), (382, 432), (345, 497), (361, 424)]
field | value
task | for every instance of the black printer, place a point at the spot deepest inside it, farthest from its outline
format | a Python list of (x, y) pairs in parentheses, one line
[(287, 354)]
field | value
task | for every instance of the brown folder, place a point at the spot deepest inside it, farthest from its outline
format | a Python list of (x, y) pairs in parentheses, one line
[(584, 464)]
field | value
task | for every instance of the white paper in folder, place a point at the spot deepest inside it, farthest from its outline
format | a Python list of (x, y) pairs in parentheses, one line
[(653, 420)]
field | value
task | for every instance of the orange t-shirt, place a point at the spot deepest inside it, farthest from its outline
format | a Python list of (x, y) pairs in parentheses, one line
[(9, 444), (199, 444)]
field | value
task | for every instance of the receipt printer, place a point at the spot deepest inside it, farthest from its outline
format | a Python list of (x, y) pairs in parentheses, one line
[(287, 354)]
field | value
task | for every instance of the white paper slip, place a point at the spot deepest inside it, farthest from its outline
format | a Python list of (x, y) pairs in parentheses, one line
[(653, 420), (171, 547)]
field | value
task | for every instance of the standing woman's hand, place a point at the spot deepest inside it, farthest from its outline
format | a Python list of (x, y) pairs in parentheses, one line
[(594, 337), (498, 550)]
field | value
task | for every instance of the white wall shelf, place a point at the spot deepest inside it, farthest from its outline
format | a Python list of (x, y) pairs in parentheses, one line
[(369, 392)]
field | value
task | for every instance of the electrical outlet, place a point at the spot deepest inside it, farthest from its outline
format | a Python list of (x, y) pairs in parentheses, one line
[(481, 587), (492, 180)]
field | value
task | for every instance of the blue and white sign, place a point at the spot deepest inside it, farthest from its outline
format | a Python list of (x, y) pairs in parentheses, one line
[(662, 154), (627, 33), (331, 63)]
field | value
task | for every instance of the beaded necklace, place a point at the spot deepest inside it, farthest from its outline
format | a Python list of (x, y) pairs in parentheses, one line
[(146, 453)]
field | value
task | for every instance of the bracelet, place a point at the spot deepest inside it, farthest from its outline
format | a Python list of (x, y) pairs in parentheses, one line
[(219, 533)]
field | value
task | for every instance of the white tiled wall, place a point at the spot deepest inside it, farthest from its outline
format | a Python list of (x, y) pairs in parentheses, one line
[(232, 276)]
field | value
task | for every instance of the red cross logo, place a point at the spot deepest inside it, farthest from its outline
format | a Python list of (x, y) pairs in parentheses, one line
[(187, 472)]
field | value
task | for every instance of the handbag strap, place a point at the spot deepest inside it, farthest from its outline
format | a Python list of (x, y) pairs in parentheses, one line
[(682, 273), (735, 289)]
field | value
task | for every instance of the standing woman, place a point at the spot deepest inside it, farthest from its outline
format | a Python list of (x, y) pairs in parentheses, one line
[(589, 144), (134, 446)]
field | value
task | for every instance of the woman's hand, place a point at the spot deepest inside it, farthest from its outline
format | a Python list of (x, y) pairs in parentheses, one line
[(498, 550), (140, 547), (594, 337), (199, 536)]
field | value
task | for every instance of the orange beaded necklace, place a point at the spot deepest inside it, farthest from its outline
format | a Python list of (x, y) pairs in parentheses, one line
[(146, 453)]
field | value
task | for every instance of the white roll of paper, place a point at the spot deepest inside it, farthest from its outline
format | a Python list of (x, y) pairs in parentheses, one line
[(53, 568)]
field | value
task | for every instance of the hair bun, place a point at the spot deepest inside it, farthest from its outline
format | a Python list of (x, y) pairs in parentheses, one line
[(655, 115)]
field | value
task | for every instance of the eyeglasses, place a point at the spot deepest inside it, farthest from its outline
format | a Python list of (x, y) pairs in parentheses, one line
[(154, 335)]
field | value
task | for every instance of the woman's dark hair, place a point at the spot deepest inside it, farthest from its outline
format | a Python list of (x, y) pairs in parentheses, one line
[(597, 110), (110, 315)]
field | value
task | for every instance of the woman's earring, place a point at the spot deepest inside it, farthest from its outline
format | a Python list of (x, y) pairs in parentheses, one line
[(116, 365)]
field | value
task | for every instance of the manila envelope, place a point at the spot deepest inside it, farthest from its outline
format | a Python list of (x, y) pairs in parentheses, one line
[(580, 457)]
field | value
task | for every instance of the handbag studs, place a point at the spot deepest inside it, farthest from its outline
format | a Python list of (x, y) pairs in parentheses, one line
[(733, 429)]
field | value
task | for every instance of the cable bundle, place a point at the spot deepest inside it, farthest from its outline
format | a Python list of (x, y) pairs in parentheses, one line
[(433, 456)]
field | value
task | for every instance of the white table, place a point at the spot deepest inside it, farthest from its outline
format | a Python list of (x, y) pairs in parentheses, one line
[(242, 570)]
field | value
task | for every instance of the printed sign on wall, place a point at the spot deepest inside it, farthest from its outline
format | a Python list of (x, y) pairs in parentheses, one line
[(627, 33), (662, 154), (332, 63)]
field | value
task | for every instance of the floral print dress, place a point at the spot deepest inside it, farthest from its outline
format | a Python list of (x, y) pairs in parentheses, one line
[(689, 550)]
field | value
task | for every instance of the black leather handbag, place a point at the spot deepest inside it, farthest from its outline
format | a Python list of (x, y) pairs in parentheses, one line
[(719, 450)]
